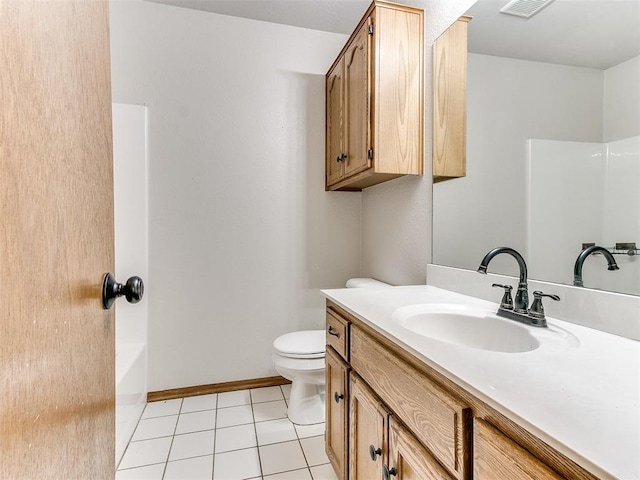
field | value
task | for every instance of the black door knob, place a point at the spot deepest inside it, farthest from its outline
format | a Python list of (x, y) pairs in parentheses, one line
[(133, 290), (387, 472), (374, 452)]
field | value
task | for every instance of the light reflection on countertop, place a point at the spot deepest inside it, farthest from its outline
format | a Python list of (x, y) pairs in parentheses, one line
[(581, 397)]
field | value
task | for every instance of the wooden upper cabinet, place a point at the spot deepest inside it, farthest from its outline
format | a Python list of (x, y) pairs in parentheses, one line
[(334, 123), (374, 100), (356, 103), (450, 102)]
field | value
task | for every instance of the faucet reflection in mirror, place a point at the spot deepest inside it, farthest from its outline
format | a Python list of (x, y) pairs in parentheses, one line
[(577, 269), (556, 145)]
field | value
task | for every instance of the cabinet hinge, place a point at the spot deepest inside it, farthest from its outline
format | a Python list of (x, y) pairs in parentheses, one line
[(371, 29), (370, 154)]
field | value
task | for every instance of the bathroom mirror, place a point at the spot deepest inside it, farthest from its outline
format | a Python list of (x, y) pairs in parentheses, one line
[(553, 137)]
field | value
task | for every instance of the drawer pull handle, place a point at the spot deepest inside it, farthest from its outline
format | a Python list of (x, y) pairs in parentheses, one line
[(331, 331), (374, 452), (388, 472), (338, 396)]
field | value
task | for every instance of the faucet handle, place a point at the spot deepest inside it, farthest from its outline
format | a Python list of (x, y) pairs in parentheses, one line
[(507, 302), (537, 310)]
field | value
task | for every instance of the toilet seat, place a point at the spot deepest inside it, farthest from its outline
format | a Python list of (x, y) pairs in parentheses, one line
[(307, 344)]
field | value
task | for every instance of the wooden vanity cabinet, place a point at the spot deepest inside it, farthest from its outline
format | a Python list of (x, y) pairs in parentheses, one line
[(368, 419), (497, 456), (408, 459), (436, 418), (337, 404), (417, 423), (374, 100)]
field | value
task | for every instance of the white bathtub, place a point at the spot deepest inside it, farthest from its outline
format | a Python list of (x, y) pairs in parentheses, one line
[(131, 249), (131, 391)]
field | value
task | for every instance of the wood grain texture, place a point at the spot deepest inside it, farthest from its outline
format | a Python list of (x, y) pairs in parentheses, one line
[(450, 102), (216, 388), (57, 400), (435, 417), (357, 65), (383, 99), (334, 118), (399, 91), (339, 336), (480, 410), (367, 427), (410, 459), (497, 456), (337, 424)]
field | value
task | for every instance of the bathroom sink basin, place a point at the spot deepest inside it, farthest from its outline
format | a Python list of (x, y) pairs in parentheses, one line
[(466, 326)]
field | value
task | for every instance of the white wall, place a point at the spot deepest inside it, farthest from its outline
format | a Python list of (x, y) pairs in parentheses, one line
[(564, 211), (242, 234), (509, 101), (622, 101)]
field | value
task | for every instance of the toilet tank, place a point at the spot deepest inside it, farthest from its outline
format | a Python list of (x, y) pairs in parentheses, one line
[(366, 283)]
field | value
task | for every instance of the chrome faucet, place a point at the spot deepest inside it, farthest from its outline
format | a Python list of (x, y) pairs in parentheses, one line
[(522, 294), (518, 310), (577, 269)]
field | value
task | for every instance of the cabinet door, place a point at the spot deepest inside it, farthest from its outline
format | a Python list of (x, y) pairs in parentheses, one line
[(497, 456), (408, 459), (337, 402), (367, 432), (335, 124), (356, 102)]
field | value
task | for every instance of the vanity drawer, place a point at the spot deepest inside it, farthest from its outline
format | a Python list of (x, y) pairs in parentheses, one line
[(497, 456), (437, 419), (337, 334)]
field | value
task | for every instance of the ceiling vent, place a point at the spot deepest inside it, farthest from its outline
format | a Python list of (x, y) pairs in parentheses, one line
[(524, 8)]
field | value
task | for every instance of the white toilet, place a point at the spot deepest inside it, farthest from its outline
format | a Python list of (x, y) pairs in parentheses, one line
[(299, 357)]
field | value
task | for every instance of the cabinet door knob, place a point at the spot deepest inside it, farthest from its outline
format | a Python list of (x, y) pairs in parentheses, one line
[(338, 158), (338, 396), (374, 452), (388, 472), (331, 331)]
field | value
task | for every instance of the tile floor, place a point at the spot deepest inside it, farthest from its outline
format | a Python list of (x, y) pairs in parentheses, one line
[(226, 436)]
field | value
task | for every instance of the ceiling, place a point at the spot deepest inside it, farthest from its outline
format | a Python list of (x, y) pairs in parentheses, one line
[(586, 33), (337, 16)]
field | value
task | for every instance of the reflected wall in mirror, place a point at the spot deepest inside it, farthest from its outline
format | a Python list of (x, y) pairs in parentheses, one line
[(553, 143)]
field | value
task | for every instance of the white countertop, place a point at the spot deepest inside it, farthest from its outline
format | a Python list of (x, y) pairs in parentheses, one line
[(582, 398)]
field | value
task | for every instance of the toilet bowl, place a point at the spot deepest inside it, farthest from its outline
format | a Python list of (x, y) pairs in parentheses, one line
[(299, 357)]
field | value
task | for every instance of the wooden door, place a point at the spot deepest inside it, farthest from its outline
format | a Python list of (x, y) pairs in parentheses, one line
[(337, 403), (408, 459), (367, 432), (56, 241), (356, 101), (335, 124)]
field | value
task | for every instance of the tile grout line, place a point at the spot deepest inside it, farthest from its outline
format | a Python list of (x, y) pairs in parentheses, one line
[(166, 463), (215, 440), (298, 437), (252, 403), (255, 431)]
